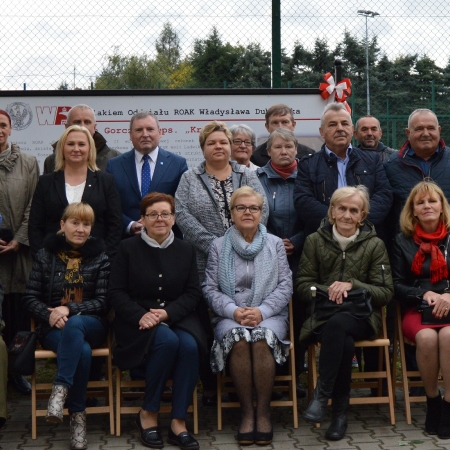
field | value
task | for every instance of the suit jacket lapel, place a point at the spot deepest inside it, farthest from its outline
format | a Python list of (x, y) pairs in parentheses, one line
[(129, 168), (60, 186), (91, 180), (162, 164)]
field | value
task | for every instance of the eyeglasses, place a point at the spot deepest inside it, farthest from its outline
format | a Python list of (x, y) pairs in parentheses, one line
[(239, 142), (242, 208), (153, 216)]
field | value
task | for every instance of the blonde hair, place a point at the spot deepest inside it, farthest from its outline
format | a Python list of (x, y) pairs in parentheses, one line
[(59, 156), (211, 128), (408, 220), (348, 191), (78, 210), (245, 191)]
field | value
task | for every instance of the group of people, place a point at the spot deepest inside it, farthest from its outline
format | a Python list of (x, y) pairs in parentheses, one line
[(199, 265)]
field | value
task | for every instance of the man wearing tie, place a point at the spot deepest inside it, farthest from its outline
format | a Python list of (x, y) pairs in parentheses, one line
[(144, 169)]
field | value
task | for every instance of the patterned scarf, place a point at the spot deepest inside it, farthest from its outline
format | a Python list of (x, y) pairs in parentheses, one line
[(265, 277), (73, 279), (428, 244)]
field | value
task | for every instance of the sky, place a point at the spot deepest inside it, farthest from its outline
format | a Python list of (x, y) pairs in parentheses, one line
[(44, 43)]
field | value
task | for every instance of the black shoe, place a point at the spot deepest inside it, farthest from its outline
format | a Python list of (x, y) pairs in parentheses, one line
[(433, 417), (444, 423), (209, 401), (339, 421), (184, 440), (20, 384), (150, 437), (263, 438), (315, 412), (246, 438)]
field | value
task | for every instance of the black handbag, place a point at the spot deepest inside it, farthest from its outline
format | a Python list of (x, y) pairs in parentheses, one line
[(440, 287), (21, 352), (22, 348), (357, 303)]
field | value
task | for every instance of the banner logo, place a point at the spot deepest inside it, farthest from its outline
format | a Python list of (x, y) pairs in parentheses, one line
[(52, 115), (21, 115)]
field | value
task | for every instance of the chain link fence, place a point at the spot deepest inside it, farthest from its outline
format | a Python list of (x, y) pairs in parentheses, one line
[(115, 44)]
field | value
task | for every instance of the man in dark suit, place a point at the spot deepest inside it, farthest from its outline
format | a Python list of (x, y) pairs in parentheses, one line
[(278, 116), (144, 169)]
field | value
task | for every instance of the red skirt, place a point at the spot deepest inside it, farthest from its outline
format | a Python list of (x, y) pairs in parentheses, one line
[(412, 324)]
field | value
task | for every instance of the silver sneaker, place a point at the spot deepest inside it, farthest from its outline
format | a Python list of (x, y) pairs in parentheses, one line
[(56, 404), (78, 430)]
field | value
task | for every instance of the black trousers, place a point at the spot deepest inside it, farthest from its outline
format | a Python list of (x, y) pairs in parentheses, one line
[(338, 336)]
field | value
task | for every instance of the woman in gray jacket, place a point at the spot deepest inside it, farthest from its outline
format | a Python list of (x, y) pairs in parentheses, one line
[(202, 208), (248, 285)]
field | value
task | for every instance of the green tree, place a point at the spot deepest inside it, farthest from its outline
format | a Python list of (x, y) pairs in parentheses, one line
[(252, 69), (215, 62), (168, 45)]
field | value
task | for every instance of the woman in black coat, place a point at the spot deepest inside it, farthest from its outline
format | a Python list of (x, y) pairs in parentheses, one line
[(76, 178), (66, 293), (154, 290)]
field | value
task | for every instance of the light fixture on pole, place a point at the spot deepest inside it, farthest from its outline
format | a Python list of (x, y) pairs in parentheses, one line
[(366, 14)]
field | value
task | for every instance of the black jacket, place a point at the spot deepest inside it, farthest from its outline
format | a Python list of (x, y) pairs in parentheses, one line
[(384, 151), (317, 179), (261, 158), (49, 202), (408, 286), (95, 269), (144, 277), (404, 173), (104, 154)]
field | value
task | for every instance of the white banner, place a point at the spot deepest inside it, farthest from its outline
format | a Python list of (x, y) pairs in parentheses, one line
[(38, 121)]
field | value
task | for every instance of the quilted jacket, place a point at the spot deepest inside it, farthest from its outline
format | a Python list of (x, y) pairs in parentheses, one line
[(365, 263), (95, 269)]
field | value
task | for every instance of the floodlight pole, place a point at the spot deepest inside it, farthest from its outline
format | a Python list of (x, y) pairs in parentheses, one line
[(366, 14)]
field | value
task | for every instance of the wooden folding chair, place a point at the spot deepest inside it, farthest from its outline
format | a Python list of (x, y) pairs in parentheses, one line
[(383, 343), (405, 383), (123, 389), (102, 388), (290, 378)]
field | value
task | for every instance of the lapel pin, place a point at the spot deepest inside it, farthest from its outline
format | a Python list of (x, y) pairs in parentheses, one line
[(161, 163)]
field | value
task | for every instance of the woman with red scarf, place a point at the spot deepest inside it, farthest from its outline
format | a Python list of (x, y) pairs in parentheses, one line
[(421, 274)]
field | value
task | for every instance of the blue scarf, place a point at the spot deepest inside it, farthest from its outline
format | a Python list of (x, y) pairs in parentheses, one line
[(265, 264)]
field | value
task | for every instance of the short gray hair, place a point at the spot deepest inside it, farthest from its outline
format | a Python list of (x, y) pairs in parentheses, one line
[(283, 133), (245, 129), (368, 116), (80, 106), (348, 191), (420, 111), (335, 107), (143, 115)]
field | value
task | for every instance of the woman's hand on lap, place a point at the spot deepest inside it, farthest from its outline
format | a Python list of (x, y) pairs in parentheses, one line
[(161, 313), (148, 320), (58, 316), (338, 291)]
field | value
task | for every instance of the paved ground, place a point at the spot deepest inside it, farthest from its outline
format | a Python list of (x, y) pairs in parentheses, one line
[(369, 429)]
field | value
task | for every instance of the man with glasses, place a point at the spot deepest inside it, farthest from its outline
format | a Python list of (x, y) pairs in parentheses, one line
[(144, 169), (242, 145), (278, 116)]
